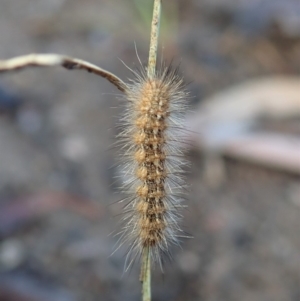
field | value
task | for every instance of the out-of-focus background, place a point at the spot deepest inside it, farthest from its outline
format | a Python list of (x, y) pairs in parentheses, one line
[(241, 60)]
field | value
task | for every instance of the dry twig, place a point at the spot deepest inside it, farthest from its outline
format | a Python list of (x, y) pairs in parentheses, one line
[(45, 60)]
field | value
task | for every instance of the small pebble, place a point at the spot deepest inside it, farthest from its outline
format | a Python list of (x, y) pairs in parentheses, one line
[(189, 262), (75, 148), (11, 254)]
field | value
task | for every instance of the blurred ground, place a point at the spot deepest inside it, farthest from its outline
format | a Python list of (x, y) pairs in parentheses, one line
[(56, 178)]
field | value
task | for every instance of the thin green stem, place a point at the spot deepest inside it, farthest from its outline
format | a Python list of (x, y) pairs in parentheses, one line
[(154, 38), (146, 275)]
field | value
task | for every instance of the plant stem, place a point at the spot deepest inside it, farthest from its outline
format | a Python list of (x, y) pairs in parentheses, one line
[(146, 258), (154, 38), (146, 275)]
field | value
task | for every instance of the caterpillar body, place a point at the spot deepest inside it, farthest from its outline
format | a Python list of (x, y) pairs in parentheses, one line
[(153, 166)]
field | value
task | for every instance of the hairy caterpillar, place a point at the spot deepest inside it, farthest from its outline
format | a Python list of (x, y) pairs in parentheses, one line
[(153, 163)]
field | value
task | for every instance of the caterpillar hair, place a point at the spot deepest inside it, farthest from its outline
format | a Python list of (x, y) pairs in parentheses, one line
[(153, 163)]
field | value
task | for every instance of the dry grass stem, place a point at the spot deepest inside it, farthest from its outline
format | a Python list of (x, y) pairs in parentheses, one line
[(154, 38), (146, 275), (69, 63), (146, 258)]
